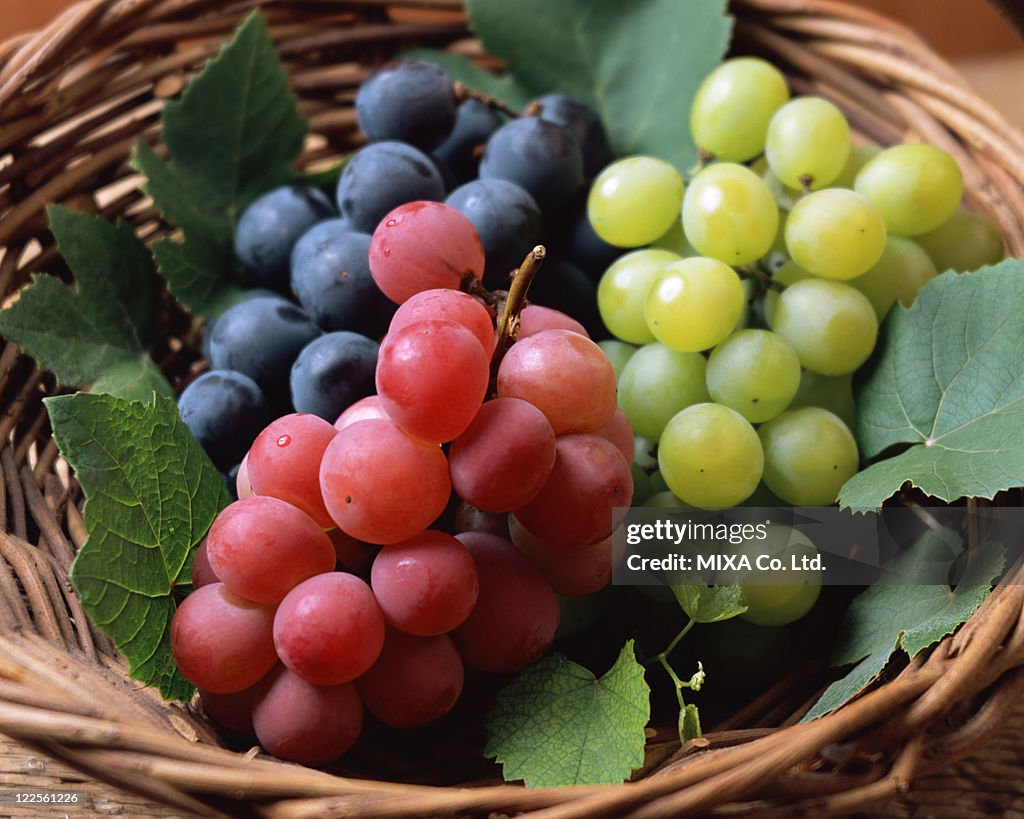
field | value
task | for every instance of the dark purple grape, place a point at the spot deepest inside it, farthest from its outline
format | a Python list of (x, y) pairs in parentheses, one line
[(507, 220), (460, 153), (224, 411), (563, 286), (588, 251), (539, 156), (330, 275), (261, 337), (382, 176), (407, 100), (332, 373), (270, 226), (580, 120)]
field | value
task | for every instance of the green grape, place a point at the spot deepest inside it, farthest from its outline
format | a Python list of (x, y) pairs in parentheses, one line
[(675, 240), (710, 456), (809, 453), (831, 325), (693, 304), (914, 187), (901, 271), (634, 200), (965, 241), (859, 157), (831, 392), (658, 382), (780, 597), (618, 353), (808, 143), (733, 105), (729, 214), (622, 293), (835, 234), (755, 372), (789, 273)]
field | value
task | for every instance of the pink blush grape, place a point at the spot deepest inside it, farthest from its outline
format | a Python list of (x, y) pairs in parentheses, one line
[(329, 629), (422, 246)]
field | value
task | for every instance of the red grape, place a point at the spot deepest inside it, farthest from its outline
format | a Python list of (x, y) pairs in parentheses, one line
[(243, 489), (329, 629), (504, 457), (447, 305), (381, 485), (415, 681), (432, 377), (426, 585), (284, 462), (565, 375), (422, 246), (361, 410), (534, 317), (516, 615), (221, 642), (311, 724), (233, 711), (572, 572), (262, 547), (586, 496)]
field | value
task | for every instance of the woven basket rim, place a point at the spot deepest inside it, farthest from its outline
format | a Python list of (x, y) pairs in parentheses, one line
[(57, 676)]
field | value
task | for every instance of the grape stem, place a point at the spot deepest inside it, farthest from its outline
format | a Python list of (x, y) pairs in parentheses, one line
[(660, 658), (695, 681), (508, 317), (464, 92), (764, 279)]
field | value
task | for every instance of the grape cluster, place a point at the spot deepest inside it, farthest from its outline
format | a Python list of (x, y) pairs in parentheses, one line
[(420, 509), (423, 461), (737, 332)]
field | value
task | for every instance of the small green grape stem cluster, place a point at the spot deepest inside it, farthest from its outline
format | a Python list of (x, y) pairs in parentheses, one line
[(696, 679)]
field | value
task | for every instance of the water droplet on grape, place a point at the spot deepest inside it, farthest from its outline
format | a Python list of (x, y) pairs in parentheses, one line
[(387, 251), (284, 440), (391, 223)]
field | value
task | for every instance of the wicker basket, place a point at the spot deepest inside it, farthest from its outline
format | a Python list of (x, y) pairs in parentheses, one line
[(73, 100)]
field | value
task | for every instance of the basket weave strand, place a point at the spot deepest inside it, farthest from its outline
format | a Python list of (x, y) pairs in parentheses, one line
[(74, 99)]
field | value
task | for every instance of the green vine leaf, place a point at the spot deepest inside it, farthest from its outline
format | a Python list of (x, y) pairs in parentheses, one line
[(556, 724), (710, 604), (151, 494), (949, 382), (233, 135), (99, 330), (910, 608)]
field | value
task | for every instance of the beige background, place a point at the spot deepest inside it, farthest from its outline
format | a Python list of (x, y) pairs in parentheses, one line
[(968, 32)]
